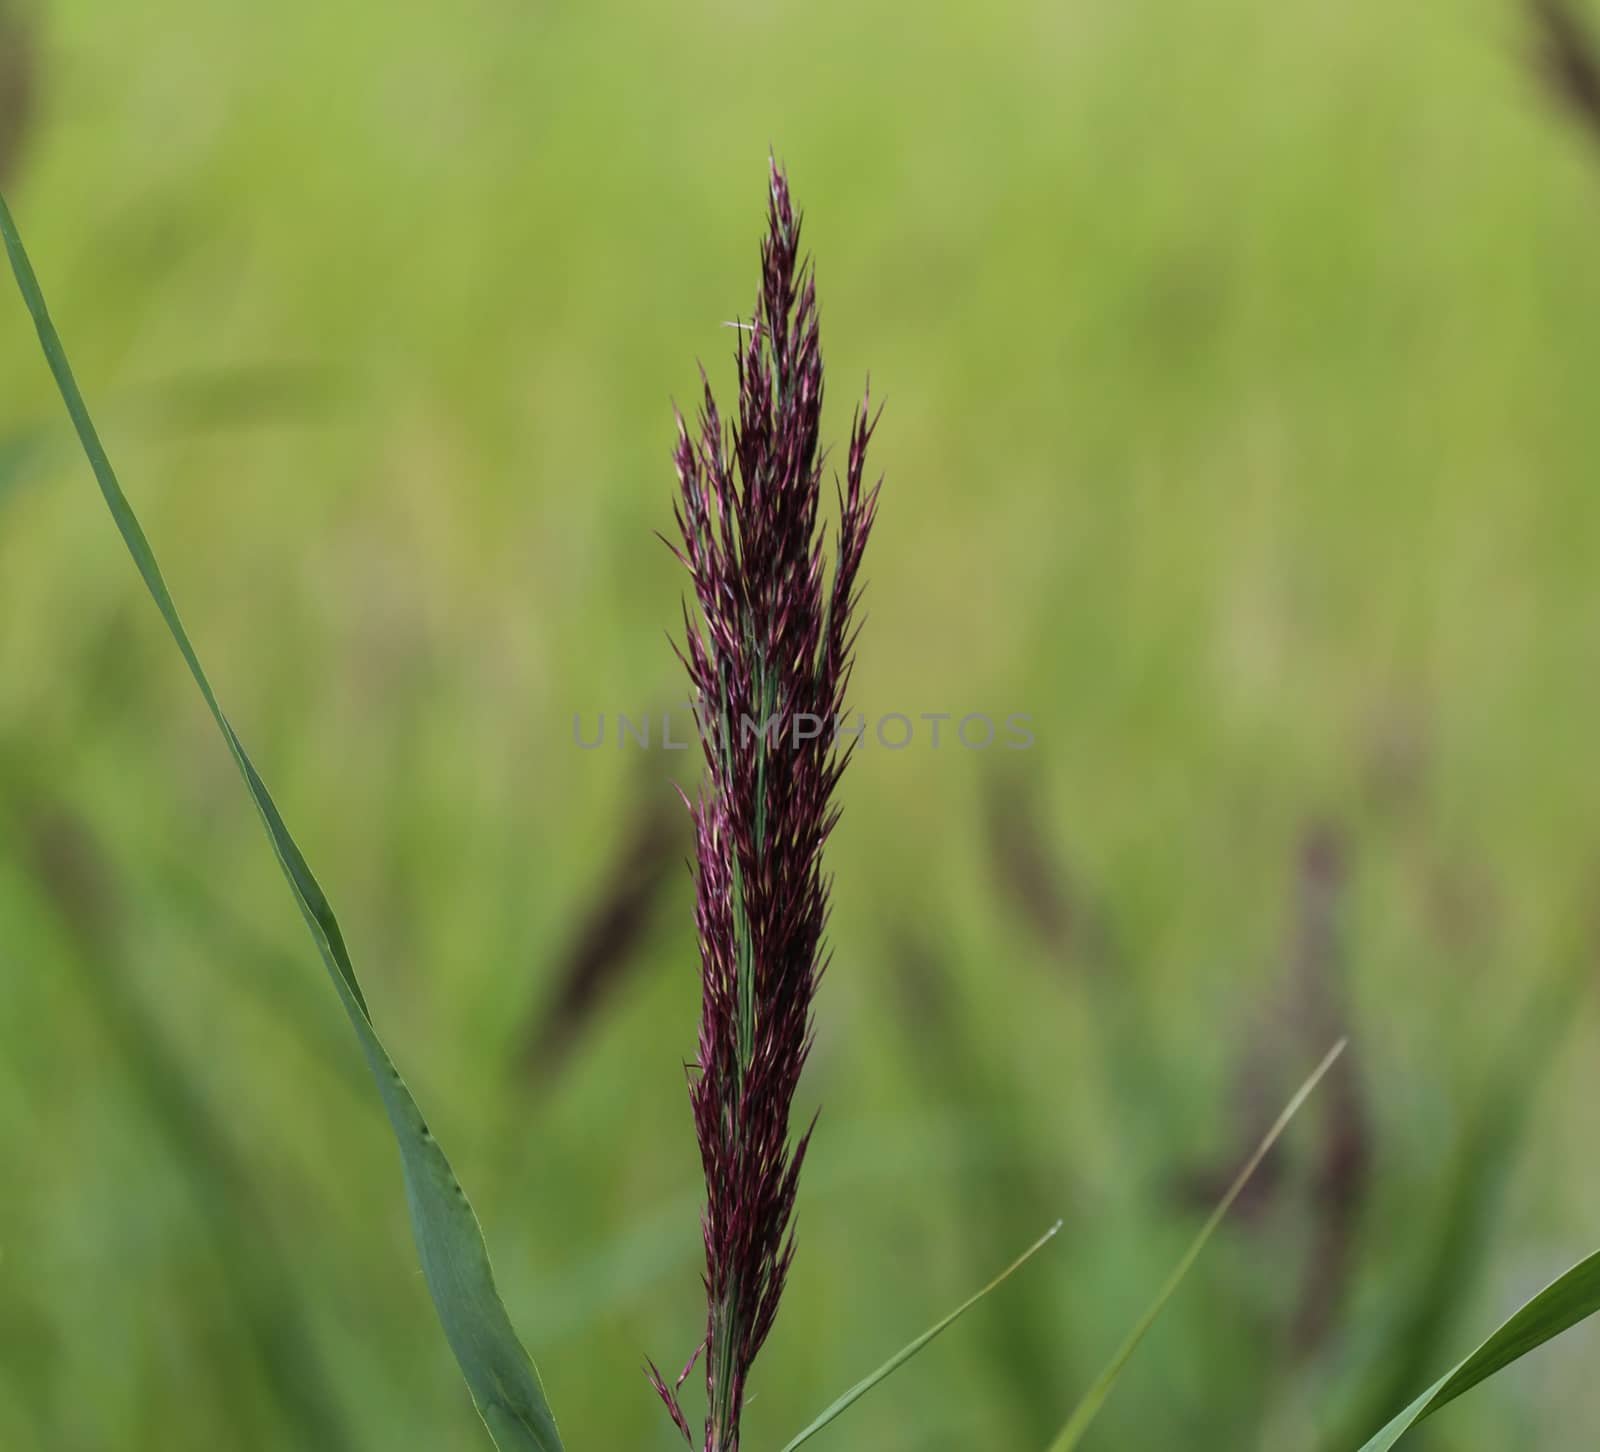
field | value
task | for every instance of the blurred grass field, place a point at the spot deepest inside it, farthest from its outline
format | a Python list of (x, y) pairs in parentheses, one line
[(1239, 365)]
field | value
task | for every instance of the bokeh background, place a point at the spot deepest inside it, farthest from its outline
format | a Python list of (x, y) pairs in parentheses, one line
[(1240, 366)]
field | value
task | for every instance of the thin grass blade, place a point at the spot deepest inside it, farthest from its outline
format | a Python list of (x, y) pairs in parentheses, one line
[(1095, 1398), (455, 1263), (899, 1359), (1560, 1306)]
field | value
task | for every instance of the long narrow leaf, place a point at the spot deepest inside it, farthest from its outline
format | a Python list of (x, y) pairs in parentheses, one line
[(1095, 1398), (1566, 1301), (501, 1376), (899, 1359)]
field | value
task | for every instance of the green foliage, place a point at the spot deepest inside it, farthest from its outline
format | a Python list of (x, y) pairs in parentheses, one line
[(1566, 1301), (1089, 1406), (1240, 366), (911, 1348), (504, 1383)]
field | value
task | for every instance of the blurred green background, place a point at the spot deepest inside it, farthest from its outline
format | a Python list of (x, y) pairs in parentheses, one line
[(1240, 364)]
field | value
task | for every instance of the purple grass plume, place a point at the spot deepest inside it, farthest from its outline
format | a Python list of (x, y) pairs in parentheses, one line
[(769, 662)]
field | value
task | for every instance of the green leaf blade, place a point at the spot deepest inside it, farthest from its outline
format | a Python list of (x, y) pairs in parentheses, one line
[(455, 1262), (1569, 1299), (1088, 1407), (906, 1352)]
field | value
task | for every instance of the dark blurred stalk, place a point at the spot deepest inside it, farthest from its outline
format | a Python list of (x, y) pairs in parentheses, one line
[(1076, 933), (1032, 875), (1342, 1177), (607, 937), (1308, 1009), (19, 83), (1568, 62)]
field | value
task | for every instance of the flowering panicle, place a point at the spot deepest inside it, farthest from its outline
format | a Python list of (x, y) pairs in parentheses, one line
[(769, 662)]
